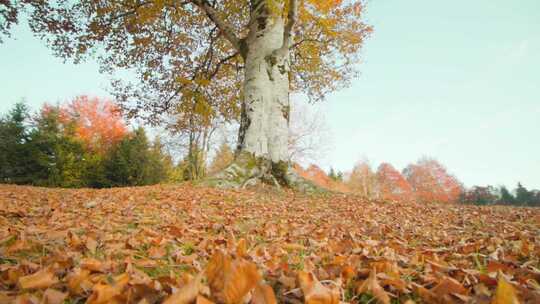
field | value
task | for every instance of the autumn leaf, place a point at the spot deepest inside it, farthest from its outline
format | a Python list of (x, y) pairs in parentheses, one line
[(39, 280), (230, 280), (372, 287), (263, 294), (105, 293), (505, 293), (53, 296), (314, 291), (188, 293)]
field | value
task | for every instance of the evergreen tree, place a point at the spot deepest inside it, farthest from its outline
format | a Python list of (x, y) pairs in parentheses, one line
[(506, 196), (15, 159)]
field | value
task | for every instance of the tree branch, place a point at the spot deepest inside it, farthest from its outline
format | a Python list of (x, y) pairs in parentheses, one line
[(225, 28), (292, 17)]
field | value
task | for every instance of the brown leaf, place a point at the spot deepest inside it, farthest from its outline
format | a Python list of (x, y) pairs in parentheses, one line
[(188, 293), (314, 291), (39, 280)]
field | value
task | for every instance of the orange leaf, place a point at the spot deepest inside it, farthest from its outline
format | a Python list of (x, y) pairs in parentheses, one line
[(39, 280), (104, 293), (230, 280), (314, 291), (263, 294), (188, 293), (53, 296)]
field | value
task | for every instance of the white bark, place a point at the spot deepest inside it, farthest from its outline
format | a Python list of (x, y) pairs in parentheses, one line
[(266, 93)]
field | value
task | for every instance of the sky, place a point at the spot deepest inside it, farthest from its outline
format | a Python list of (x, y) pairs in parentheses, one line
[(455, 80)]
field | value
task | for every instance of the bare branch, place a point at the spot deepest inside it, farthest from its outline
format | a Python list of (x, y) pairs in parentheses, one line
[(225, 28)]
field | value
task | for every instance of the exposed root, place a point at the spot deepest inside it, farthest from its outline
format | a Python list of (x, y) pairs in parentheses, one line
[(248, 171)]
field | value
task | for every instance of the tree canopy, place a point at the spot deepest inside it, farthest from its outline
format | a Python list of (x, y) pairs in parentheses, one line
[(182, 51)]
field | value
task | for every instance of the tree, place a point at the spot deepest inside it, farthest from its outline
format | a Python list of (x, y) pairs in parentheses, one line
[(309, 135), (15, 151), (523, 196), (480, 195), (431, 182), (224, 156), (133, 162), (98, 122), (362, 180), (391, 184), (239, 57), (506, 196)]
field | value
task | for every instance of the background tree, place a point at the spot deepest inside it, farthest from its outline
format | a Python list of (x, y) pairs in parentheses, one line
[(309, 135), (506, 196), (98, 122), (362, 180), (431, 182), (15, 150), (222, 159), (238, 56), (134, 162), (391, 184)]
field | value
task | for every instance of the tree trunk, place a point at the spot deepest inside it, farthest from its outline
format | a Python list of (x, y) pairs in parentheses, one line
[(262, 151), (264, 126)]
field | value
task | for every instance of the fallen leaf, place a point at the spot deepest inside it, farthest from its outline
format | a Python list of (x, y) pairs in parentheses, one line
[(53, 296), (371, 286), (39, 280), (505, 293), (188, 293), (263, 294), (314, 291)]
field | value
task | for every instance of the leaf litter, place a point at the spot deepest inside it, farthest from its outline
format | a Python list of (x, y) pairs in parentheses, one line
[(185, 244)]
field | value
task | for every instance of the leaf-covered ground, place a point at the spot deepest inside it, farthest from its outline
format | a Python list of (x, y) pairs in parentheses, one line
[(184, 244)]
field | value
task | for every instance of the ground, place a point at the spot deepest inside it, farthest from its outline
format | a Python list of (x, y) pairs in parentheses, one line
[(141, 245)]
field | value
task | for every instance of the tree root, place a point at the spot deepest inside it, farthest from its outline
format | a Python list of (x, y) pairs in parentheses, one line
[(248, 171)]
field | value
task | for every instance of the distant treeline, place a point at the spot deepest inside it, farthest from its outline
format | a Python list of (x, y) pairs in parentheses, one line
[(490, 195), (82, 144)]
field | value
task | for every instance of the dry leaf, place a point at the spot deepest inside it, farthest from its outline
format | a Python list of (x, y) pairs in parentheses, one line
[(263, 294), (230, 280), (505, 294), (371, 286), (188, 293), (53, 296), (314, 291), (39, 280), (105, 293)]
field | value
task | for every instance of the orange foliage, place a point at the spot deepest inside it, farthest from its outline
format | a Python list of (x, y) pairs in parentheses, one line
[(316, 175), (431, 182), (391, 184), (98, 122)]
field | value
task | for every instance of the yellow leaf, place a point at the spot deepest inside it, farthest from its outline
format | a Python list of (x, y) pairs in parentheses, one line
[(505, 293)]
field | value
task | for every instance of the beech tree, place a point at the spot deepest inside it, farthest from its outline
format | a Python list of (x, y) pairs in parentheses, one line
[(391, 184), (431, 182), (240, 57)]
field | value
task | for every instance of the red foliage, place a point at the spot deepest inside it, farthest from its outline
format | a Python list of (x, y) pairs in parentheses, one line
[(98, 122), (431, 182), (391, 184)]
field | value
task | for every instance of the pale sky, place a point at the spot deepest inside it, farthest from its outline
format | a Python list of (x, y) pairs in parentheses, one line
[(455, 80)]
